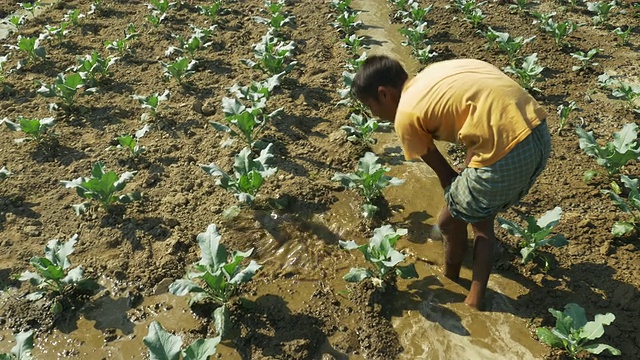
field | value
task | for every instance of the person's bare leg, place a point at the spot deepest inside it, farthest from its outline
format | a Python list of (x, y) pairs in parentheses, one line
[(484, 238), (454, 233)]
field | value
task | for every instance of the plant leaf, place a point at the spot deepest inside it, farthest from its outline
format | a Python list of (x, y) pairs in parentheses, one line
[(24, 345), (407, 271), (549, 338), (213, 253), (357, 274), (595, 329), (162, 345), (599, 348), (201, 349), (551, 218), (246, 274), (577, 315)]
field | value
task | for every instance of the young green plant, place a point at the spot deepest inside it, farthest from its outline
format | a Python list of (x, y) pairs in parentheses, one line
[(93, 68), (573, 332), (248, 174), (53, 277), (122, 45), (132, 143), (563, 115), (166, 346), (537, 234), (614, 155), (31, 47), (586, 59), (272, 55), (380, 253), (216, 277), (602, 11), (528, 73), (4, 173), (247, 121), (179, 69), (103, 187), (630, 205), (369, 179), (65, 88), (151, 102), (35, 129), (362, 128)]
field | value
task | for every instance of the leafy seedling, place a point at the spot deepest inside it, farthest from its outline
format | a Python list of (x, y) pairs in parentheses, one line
[(272, 55), (347, 22), (369, 180), (132, 143), (122, 45), (573, 332), (586, 59), (380, 253), (180, 69), (248, 174), (212, 10), (35, 129), (563, 114), (94, 68), (615, 154), (31, 7), (215, 277), (31, 47), (4, 173), (65, 88), (602, 11), (247, 121), (537, 234), (166, 346), (23, 348), (622, 35), (631, 206), (362, 129), (528, 73), (152, 102), (102, 187), (53, 276)]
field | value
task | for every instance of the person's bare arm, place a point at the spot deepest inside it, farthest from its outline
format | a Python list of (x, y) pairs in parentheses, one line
[(439, 164)]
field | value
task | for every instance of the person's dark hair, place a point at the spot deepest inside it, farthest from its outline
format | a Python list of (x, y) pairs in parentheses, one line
[(378, 70)]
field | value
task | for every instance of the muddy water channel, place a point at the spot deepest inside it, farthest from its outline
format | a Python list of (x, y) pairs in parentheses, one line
[(428, 315)]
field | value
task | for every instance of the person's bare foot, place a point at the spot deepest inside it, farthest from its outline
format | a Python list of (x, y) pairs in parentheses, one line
[(474, 303)]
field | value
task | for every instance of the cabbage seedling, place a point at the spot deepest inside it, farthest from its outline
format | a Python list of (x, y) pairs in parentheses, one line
[(559, 31), (572, 331), (622, 35), (536, 234), (248, 121), (602, 11), (369, 180), (179, 69), (631, 205), (53, 276), (31, 7), (347, 23), (586, 59), (415, 14), (122, 45), (18, 21), (528, 73), (159, 11), (341, 5), (212, 10), (152, 102), (248, 174), (94, 68), (379, 252), (4, 173), (415, 36), (353, 43), (362, 128), (347, 97), (36, 129), (614, 155), (197, 41), (510, 45), (102, 187), (216, 276), (131, 143), (74, 17), (278, 17), (57, 32), (272, 55), (31, 47), (65, 88), (165, 346), (626, 91), (22, 349), (563, 114), (425, 55)]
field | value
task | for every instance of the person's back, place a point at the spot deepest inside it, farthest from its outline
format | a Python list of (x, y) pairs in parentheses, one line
[(470, 102)]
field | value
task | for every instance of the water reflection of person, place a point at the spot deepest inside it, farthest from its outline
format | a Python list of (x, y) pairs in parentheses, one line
[(473, 103)]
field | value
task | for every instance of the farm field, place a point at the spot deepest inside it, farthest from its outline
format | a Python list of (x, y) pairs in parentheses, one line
[(297, 305)]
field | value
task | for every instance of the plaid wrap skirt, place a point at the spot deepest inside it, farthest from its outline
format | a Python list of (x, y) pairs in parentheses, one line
[(480, 193)]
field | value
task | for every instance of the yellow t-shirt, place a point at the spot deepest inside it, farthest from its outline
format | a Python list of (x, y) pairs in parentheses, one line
[(468, 102)]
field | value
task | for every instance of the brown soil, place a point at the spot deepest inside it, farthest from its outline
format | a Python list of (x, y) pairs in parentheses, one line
[(145, 243)]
